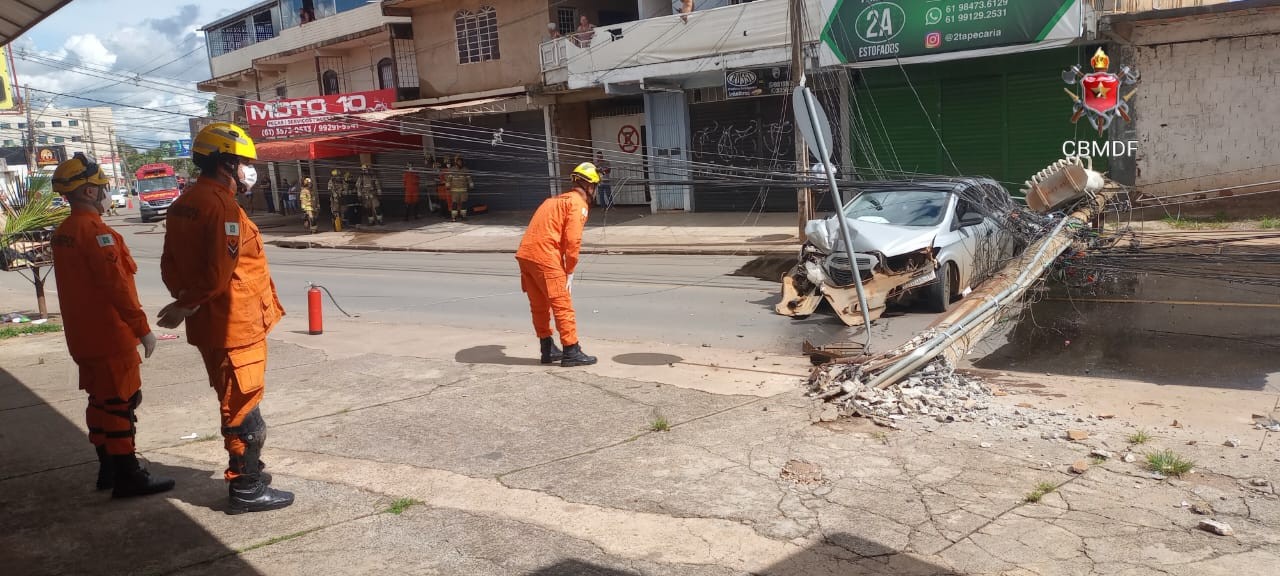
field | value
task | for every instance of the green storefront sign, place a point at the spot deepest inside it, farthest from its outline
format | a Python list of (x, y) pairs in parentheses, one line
[(862, 30)]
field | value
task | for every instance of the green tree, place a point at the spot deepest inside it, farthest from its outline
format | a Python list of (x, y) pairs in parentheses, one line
[(26, 233)]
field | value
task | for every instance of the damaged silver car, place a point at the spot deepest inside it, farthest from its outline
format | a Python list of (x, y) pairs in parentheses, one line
[(929, 240)]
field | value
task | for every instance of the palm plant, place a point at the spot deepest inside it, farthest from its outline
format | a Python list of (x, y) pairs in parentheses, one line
[(24, 237)]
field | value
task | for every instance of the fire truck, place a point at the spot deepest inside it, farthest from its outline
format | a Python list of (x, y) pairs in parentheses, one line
[(157, 189)]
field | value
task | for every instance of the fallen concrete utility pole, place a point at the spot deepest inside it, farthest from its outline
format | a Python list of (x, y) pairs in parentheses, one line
[(955, 333)]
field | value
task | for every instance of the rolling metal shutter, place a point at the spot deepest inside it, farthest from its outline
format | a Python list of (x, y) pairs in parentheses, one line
[(1004, 116)]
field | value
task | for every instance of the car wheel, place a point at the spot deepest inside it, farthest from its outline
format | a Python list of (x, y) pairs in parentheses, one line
[(937, 295)]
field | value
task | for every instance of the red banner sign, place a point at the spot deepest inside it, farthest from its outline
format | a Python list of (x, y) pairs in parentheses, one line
[(315, 115)]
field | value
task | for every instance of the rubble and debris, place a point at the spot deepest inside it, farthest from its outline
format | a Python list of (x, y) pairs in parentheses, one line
[(985, 445), (1106, 416), (1130, 458), (1219, 528), (1077, 435), (1202, 508), (1267, 422), (1105, 455), (1259, 482), (1232, 443), (936, 391), (802, 472), (1080, 467)]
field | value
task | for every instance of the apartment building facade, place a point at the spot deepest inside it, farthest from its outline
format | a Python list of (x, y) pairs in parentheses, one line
[(59, 134), (273, 64)]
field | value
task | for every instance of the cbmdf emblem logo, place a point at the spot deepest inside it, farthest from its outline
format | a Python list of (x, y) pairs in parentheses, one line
[(1099, 95)]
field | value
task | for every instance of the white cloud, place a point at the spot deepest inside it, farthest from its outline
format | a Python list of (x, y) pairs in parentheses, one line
[(87, 49), (96, 49)]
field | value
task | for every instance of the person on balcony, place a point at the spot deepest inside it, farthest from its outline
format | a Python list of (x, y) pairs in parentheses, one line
[(552, 32), (586, 31)]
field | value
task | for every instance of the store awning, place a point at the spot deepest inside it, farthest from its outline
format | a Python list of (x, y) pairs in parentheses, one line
[(336, 146), (18, 16)]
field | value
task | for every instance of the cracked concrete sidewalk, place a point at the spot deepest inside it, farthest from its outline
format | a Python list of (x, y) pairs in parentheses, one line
[(422, 450)]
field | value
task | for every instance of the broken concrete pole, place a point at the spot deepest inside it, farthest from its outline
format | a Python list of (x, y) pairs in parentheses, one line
[(1219, 528)]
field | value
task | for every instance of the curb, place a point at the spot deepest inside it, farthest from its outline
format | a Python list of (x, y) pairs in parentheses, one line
[(638, 250)]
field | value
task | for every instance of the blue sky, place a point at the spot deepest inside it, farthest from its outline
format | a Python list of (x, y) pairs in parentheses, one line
[(124, 38)]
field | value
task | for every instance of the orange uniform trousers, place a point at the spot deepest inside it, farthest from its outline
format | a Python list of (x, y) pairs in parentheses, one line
[(238, 377), (115, 390), (548, 293)]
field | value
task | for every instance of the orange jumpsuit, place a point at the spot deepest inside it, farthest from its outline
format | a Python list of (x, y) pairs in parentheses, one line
[(410, 188), (103, 322), (548, 254), (213, 258)]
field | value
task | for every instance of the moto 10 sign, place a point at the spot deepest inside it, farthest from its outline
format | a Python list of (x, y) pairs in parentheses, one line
[(315, 115)]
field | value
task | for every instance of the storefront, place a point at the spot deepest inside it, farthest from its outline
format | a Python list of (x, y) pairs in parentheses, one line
[(1003, 116), (311, 137)]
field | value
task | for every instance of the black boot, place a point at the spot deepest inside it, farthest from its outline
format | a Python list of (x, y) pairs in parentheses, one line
[(131, 479), (550, 353), (248, 493), (106, 469), (573, 356)]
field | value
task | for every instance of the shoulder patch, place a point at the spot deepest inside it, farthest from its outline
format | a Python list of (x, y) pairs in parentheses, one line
[(105, 240), (233, 228)]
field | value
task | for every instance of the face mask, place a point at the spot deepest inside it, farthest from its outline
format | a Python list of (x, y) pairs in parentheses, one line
[(248, 176)]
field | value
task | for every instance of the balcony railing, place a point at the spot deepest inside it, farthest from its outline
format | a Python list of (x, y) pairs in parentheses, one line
[(624, 51), (1130, 6), (232, 51)]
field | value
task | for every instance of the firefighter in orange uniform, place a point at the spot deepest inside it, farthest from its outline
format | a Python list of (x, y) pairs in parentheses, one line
[(410, 193), (547, 255), (215, 267), (104, 324)]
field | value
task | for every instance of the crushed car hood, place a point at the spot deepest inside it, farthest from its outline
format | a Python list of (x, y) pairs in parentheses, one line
[(886, 239)]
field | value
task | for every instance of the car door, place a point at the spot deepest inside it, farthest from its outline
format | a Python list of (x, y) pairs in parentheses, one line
[(973, 254)]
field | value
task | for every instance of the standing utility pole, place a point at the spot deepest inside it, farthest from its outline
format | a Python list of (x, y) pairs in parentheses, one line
[(117, 165), (804, 197), (31, 136)]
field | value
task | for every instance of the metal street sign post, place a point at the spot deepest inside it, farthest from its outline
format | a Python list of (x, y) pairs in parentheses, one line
[(815, 128)]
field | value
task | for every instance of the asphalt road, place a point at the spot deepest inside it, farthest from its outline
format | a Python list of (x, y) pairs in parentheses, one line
[(683, 300)]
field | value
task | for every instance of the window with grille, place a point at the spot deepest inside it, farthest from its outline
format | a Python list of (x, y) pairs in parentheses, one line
[(73, 123), (330, 81), (42, 139), (386, 74), (567, 19), (77, 138), (57, 123), (8, 142), (58, 139), (282, 92), (477, 34)]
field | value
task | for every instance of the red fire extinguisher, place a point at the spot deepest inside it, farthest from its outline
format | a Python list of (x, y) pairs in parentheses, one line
[(315, 316)]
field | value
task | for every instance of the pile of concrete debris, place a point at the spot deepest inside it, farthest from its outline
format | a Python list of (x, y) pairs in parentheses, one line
[(935, 391)]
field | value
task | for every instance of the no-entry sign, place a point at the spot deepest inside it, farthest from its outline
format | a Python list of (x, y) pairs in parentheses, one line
[(628, 139)]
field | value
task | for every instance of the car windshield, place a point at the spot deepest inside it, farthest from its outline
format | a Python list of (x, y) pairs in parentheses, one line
[(154, 184), (899, 207)]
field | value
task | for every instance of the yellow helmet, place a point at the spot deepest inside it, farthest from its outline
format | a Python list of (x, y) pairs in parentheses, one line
[(77, 172), (225, 138), (588, 172), (334, 173)]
